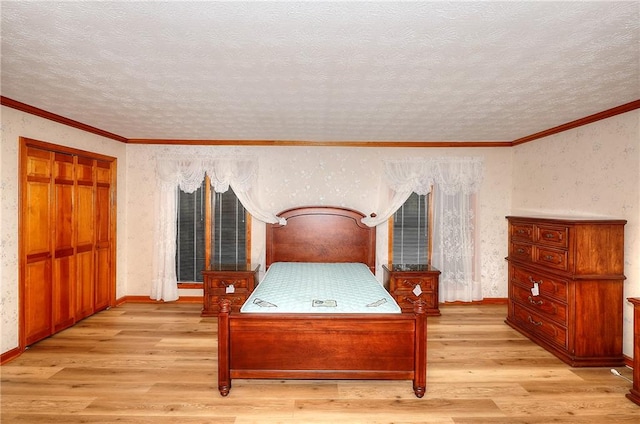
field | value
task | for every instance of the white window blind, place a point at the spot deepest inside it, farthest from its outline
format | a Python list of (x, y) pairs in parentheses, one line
[(411, 231)]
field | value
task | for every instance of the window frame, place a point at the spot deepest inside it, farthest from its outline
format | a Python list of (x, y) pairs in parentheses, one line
[(209, 235)]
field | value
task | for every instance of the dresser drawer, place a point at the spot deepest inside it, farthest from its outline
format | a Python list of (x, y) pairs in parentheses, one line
[(521, 232), (540, 325), (547, 285), (521, 251), (555, 236), (554, 310), (552, 258)]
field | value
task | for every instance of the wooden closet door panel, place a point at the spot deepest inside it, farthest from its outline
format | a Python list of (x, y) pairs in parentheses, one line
[(103, 280), (63, 292), (103, 248), (103, 235), (103, 208), (84, 287), (37, 218), (85, 237), (37, 301), (84, 225), (36, 245), (63, 278)]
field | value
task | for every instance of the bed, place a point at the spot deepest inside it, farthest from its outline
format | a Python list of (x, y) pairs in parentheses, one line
[(324, 344)]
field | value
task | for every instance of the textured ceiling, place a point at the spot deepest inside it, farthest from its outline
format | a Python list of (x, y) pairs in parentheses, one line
[(320, 71)]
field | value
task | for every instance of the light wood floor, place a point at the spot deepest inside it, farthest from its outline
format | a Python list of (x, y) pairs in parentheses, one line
[(143, 363)]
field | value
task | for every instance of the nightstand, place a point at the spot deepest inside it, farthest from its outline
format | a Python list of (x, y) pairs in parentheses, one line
[(234, 282), (408, 283)]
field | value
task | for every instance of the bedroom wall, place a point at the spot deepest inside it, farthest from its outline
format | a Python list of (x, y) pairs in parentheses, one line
[(14, 125), (592, 170), (297, 176)]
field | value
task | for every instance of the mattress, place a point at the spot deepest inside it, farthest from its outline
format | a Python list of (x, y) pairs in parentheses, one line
[(302, 287)]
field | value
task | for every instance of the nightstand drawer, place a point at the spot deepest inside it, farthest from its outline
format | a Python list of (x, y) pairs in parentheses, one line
[(224, 282), (427, 284), (237, 300), (407, 299)]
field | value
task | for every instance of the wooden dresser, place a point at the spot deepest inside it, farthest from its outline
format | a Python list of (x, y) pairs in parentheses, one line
[(566, 286), (410, 283), (233, 282), (634, 393)]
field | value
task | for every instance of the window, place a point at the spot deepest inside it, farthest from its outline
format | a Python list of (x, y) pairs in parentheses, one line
[(410, 231), (230, 234), (211, 231)]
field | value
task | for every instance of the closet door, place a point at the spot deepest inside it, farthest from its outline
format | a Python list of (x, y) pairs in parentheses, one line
[(64, 269), (67, 228), (36, 256), (85, 217), (103, 245)]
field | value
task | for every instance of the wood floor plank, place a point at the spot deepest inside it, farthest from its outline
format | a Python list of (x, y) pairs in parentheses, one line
[(157, 363)]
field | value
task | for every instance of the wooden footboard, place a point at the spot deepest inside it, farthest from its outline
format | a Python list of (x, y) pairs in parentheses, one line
[(322, 346)]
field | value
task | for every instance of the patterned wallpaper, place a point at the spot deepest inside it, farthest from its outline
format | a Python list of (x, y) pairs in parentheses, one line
[(298, 176), (14, 125), (592, 170)]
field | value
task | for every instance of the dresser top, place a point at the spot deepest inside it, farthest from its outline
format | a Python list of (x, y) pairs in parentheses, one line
[(568, 219)]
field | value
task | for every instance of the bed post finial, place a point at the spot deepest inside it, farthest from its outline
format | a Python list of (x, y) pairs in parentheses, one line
[(225, 305)]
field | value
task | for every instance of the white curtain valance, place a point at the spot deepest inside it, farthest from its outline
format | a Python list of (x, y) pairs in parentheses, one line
[(236, 172), (417, 175), (187, 174), (456, 180)]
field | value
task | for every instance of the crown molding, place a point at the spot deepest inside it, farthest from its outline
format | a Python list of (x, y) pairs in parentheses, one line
[(627, 107), (306, 143), (14, 104)]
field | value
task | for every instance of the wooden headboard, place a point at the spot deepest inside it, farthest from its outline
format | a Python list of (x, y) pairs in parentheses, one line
[(321, 234)]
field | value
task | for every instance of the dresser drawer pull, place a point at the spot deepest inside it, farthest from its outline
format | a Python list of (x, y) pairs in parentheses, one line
[(548, 257), (535, 302), (536, 323), (549, 235), (520, 231), (532, 281), (520, 250), (228, 283)]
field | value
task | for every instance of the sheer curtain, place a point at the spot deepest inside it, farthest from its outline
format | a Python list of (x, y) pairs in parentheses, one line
[(456, 180), (187, 175)]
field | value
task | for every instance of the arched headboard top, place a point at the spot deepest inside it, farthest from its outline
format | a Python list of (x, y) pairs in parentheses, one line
[(321, 234)]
